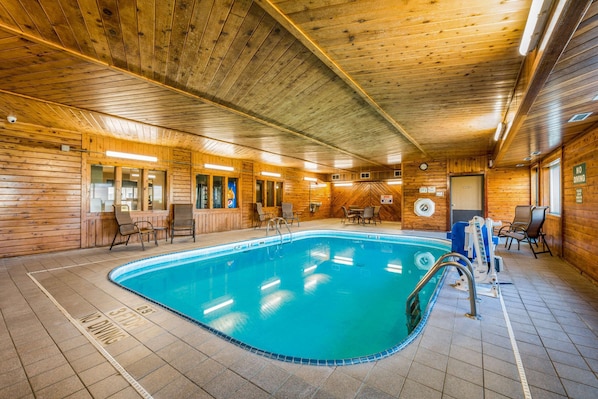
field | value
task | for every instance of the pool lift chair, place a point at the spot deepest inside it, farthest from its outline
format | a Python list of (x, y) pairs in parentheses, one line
[(474, 240)]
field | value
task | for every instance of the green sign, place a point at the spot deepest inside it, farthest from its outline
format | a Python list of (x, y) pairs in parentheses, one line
[(579, 174)]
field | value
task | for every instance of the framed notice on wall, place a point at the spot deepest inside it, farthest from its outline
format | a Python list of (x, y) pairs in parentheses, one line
[(386, 199), (579, 173)]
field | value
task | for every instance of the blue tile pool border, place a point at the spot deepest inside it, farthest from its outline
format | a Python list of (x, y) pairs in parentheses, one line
[(213, 251)]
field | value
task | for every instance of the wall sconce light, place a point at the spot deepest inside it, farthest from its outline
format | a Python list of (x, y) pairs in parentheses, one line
[(136, 157), (218, 167), (271, 174), (312, 179)]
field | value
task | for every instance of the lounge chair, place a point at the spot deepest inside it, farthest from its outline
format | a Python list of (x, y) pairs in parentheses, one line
[(127, 228), (523, 216), (368, 214), (532, 233), (260, 216), (349, 216), (183, 223), (288, 214)]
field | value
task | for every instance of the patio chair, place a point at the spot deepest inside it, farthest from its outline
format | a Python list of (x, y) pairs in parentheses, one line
[(368, 214), (523, 216), (288, 214), (349, 216), (183, 223), (127, 228), (377, 214), (532, 234), (260, 216)]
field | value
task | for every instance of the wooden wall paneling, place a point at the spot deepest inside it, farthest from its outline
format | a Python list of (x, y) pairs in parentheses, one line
[(506, 188), (413, 179), (365, 194), (246, 192), (580, 219), (40, 190), (467, 165), (182, 181)]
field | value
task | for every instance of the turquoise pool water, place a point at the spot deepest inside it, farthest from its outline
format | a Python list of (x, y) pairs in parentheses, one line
[(327, 297)]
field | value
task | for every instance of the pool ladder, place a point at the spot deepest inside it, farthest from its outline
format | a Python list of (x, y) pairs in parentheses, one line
[(412, 307), (276, 222)]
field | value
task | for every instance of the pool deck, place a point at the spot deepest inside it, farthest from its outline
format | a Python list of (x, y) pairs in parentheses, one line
[(66, 331)]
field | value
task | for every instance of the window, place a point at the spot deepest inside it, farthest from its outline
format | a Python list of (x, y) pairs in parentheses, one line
[(268, 192), (101, 195), (554, 187), (157, 190), (124, 185), (217, 191), (201, 182), (231, 193)]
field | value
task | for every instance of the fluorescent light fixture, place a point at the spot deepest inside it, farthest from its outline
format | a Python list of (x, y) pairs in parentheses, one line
[(499, 128), (270, 284), (218, 306), (126, 155), (343, 184), (530, 26), (310, 179), (218, 167), (394, 182), (507, 130), (151, 176), (271, 174)]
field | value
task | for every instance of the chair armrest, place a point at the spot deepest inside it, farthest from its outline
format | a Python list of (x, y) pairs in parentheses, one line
[(144, 222)]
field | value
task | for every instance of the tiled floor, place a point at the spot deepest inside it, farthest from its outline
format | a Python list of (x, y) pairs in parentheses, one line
[(56, 340)]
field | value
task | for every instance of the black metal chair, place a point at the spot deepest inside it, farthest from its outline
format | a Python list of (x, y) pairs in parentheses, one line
[(349, 216), (532, 234)]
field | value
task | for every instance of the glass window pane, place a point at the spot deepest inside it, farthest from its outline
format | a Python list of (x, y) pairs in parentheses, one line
[(201, 183), (259, 191), (101, 195), (269, 193), (131, 188), (279, 193), (157, 190), (555, 189), (231, 193), (218, 191)]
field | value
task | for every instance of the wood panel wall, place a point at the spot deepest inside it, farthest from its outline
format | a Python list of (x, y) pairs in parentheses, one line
[(364, 194), (580, 219), (181, 180), (40, 190), (506, 188), (413, 179)]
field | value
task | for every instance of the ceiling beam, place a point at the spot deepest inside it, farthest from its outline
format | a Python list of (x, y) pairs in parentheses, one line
[(300, 35), (538, 66)]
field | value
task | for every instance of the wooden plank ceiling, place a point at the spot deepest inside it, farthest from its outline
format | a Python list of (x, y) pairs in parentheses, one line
[(337, 85)]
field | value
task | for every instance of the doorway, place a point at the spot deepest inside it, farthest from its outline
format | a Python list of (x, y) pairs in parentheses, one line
[(467, 197)]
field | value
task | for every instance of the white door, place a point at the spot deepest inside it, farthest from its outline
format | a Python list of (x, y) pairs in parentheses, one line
[(467, 197)]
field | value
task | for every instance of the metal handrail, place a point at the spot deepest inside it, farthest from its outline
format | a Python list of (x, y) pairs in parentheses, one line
[(276, 222), (440, 263)]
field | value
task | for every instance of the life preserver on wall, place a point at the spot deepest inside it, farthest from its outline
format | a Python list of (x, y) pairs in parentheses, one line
[(424, 207), (424, 260)]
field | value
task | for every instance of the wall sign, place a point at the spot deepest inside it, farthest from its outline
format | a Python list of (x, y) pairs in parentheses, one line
[(578, 196), (386, 199), (579, 173)]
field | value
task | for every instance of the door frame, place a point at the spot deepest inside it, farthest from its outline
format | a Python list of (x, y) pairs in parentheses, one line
[(450, 196)]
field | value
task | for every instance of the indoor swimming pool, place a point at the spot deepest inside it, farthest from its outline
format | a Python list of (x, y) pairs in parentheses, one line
[(316, 297)]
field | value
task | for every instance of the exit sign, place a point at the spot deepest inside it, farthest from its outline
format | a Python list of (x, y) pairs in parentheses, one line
[(579, 174)]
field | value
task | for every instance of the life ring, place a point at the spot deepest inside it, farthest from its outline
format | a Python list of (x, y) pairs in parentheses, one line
[(424, 207), (424, 260)]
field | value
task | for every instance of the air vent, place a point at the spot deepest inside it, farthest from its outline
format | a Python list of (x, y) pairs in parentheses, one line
[(336, 177), (364, 175), (398, 173), (579, 117)]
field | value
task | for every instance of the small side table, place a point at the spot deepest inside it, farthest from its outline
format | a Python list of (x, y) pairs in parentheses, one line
[(164, 229)]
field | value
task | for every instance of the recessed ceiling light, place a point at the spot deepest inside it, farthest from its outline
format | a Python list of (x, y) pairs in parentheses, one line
[(579, 117), (533, 154), (527, 158), (595, 98), (519, 165)]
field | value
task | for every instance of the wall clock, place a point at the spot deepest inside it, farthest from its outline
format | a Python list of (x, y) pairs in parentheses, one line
[(423, 166)]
